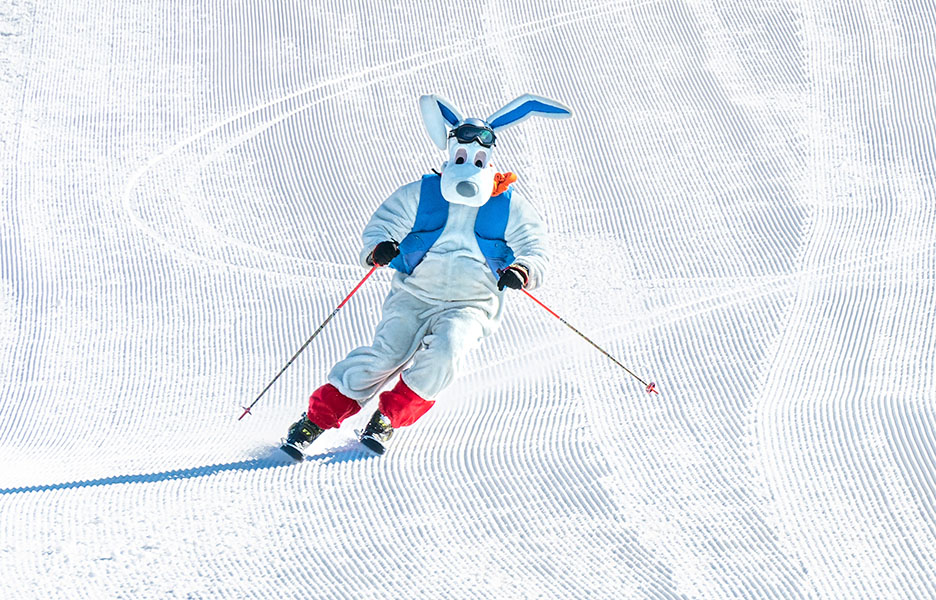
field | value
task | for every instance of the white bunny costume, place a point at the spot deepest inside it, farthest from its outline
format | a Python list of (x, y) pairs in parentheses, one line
[(455, 239)]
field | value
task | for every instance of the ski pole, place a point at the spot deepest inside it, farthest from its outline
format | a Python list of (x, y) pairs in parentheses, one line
[(650, 387), (308, 341)]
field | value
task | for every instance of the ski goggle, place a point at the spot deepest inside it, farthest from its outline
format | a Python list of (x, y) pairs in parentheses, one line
[(468, 133)]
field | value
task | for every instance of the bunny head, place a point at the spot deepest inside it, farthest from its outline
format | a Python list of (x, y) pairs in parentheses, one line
[(468, 175)]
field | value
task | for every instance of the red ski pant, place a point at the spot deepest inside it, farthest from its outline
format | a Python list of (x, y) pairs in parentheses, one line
[(328, 407)]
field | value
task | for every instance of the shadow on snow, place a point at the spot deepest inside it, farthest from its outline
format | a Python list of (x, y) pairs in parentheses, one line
[(270, 459)]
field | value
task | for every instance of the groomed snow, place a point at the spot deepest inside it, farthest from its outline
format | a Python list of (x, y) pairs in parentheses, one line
[(743, 209)]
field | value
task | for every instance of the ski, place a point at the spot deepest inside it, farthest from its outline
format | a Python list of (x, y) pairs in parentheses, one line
[(371, 442), (293, 450)]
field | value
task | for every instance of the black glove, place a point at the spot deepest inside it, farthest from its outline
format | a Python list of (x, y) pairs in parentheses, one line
[(383, 253), (514, 277)]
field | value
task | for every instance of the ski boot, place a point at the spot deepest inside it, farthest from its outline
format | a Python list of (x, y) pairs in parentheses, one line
[(302, 433), (377, 433)]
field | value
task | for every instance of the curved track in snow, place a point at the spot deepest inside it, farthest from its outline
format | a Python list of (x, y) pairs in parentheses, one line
[(741, 209)]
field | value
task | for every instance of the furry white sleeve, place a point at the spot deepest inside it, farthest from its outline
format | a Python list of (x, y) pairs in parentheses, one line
[(526, 236), (392, 220)]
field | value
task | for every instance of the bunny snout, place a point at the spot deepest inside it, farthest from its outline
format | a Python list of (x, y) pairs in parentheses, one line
[(468, 176), (467, 184)]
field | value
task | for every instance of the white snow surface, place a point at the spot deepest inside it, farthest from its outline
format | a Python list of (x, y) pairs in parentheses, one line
[(743, 209)]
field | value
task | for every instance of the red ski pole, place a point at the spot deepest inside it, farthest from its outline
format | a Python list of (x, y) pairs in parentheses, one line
[(650, 387), (308, 341)]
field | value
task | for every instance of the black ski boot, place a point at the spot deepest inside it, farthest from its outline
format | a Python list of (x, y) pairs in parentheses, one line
[(302, 433), (377, 433)]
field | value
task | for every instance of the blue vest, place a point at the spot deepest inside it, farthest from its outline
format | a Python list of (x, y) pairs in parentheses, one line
[(431, 216)]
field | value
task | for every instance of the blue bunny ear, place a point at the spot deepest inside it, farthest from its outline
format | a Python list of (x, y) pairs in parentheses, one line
[(439, 116), (524, 107)]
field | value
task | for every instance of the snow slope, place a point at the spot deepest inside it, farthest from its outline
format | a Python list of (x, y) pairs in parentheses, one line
[(742, 210)]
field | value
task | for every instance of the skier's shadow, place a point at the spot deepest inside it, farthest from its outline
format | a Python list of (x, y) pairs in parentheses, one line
[(271, 458)]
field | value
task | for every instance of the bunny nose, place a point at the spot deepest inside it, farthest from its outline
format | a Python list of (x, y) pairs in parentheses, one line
[(467, 189)]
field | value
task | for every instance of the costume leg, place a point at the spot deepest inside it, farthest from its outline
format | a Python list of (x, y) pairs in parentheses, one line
[(452, 335), (355, 379)]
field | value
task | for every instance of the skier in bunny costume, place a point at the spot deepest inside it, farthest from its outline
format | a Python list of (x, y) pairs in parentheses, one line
[(457, 240)]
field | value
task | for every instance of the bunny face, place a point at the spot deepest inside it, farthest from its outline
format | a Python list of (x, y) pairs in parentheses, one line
[(468, 175)]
